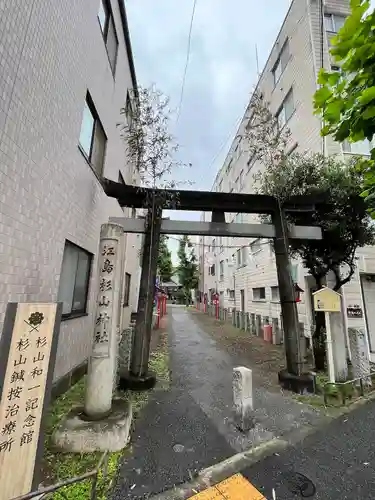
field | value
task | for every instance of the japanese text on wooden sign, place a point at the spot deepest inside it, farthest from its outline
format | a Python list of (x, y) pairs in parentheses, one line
[(104, 307), (23, 394), (327, 300)]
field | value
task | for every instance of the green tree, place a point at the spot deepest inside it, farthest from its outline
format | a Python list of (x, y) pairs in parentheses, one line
[(345, 222), (346, 98), (187, 269), (165, 266)]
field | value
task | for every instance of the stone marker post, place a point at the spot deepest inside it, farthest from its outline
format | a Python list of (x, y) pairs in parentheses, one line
[(243, 398), (102, 363)]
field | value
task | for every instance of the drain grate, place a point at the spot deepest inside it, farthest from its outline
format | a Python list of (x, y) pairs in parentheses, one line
[(298, 484)]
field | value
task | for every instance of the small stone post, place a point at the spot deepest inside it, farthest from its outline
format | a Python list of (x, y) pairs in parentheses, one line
[(234, 316), (252, 324), (103, 360), (243, 398), (247, 322)]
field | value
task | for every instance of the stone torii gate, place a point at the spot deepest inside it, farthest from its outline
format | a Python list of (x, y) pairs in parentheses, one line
[(218, 204)]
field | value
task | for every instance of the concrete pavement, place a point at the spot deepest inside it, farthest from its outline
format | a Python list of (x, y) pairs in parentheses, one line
[(191, 426)]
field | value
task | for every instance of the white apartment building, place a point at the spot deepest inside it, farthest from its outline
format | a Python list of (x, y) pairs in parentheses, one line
[(66, 71), (245, 276)]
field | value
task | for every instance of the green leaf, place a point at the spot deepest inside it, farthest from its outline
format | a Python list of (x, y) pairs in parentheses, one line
[(323, 77), (369, 112), (321, 96), (367, 95), (326, 130), (334, 77), (333, 111)]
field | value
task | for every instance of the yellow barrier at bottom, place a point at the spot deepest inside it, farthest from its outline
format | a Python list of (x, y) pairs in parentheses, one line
[(234, 488)]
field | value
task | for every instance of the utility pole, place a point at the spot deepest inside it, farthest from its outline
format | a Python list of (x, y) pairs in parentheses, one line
[(292, 341)]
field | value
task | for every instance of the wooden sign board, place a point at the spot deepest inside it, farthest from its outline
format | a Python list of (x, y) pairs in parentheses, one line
[(327, 300), (27, 358)]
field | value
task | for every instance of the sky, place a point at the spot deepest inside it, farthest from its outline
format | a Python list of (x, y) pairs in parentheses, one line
[(221, 73)]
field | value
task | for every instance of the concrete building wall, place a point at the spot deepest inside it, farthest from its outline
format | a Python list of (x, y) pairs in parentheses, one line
[(308, 51), (51, 54)]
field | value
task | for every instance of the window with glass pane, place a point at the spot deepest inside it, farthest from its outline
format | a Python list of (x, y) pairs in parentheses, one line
[(357, 148), (103, 15), (284, 56), (289, 105), (277, 72), (98, 148), (275, 294), (259, 293), (107, 25), (92, 139), (281, 117), (334, 22), (74, 280), (328, 22), (87, 130), (338, 22), (112, 44)]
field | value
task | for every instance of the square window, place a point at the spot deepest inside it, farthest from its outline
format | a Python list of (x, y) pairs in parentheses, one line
[(259, 293), (74, 280), (92, 139), (275, 294)]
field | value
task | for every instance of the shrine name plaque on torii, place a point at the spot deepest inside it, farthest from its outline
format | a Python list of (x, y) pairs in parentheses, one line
[(219, 204)]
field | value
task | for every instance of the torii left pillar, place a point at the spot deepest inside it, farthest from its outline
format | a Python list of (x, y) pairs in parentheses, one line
[(139, 377)]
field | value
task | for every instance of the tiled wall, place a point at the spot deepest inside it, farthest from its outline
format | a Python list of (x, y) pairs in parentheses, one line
[(51, 53)]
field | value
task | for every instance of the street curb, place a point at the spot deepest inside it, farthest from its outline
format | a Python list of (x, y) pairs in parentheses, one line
[(222, 470)]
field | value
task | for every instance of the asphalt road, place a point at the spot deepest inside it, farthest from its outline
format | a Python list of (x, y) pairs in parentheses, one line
[(337, 462), (191, 426)]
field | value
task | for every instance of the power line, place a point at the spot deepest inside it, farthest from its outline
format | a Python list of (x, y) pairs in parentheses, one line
[(187, 60)]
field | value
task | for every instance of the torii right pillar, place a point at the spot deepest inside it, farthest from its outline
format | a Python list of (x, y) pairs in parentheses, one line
[(294, 377)]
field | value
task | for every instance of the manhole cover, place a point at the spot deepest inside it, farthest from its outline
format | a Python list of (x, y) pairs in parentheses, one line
[(298, 484), (178, 448)]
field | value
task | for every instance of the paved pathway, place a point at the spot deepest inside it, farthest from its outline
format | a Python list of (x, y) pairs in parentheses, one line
[(191, 427), (337, 462)]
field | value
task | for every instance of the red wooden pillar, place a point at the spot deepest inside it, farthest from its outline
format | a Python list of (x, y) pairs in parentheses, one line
[(217, 309), (158, 313)]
